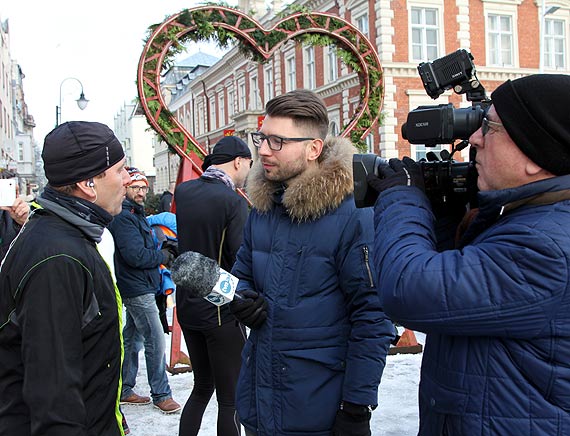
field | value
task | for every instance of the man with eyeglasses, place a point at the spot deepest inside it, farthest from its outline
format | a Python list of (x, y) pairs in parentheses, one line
[(496, 309), (138, 279), (210, 216), (319, 338)]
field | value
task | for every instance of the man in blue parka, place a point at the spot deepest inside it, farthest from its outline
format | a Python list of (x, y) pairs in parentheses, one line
[(319, 338), (496, 310), (138, 278)]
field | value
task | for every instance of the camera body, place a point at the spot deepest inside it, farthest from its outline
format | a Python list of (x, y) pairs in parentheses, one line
[(446, 179), (443, 179)]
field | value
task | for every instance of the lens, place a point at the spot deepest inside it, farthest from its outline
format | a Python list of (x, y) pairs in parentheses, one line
[(467, 121)]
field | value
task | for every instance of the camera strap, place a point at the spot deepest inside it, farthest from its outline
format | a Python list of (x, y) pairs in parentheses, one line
[(538, 200)]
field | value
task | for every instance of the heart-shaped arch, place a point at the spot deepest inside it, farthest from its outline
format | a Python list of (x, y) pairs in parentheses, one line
[(225, 24)]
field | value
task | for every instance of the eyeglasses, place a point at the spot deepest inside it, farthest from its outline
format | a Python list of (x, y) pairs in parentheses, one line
[(138, 188), (275, 142), (250, 161), (487, 123)]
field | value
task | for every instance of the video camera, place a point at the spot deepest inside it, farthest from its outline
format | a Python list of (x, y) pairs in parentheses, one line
[(432, 125)]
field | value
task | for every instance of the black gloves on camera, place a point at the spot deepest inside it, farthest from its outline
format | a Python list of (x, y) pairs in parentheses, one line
[(404, 172), (352, 420), (250, 309)]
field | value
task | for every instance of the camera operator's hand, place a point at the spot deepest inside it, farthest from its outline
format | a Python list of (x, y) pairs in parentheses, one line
[(404, 172), (250, 309), (352, 420)]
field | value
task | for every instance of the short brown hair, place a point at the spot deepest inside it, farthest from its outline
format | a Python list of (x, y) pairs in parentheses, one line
[(306, 109)]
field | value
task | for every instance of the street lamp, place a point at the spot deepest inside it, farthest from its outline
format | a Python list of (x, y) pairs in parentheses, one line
[(81, 101), (543, 14)]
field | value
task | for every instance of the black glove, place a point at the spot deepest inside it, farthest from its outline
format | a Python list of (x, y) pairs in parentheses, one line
[(250, 309), (398, 172), (352, 420), (172, 246), (168, 257)]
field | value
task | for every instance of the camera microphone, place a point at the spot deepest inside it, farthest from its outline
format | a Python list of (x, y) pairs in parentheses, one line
[(202, 277)]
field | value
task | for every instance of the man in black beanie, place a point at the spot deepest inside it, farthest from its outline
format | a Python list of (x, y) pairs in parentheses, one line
[(210, 216), (496, 309), (60, 342)]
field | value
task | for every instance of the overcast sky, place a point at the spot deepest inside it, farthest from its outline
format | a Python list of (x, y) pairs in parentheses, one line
[(98, 42)]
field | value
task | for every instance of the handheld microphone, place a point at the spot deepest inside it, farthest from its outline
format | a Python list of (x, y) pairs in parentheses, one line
[(203, 277)]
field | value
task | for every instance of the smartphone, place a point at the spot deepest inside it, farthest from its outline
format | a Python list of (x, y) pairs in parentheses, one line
[(7, 192)]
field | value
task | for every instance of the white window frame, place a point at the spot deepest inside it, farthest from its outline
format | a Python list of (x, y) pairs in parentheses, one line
[(221, 109), (242, 95), (231, 102), (362, 23), (424, 29), (310, 68), (212, 114), (254, 102), (331, 62), (506, 9), (290, 72), (551, 53), (269, 83)]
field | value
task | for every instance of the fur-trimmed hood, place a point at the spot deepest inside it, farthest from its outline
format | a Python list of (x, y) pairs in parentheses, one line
[(313, 193)]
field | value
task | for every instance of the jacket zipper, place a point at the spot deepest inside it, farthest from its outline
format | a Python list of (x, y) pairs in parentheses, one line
[(367, 264)]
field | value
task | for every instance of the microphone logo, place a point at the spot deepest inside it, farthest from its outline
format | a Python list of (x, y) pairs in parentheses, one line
[(225, 282), (216, 299)]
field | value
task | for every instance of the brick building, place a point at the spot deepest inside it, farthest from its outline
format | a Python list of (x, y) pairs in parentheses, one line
[(502, 35)]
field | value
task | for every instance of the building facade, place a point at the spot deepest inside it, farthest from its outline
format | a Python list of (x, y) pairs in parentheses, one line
[(19, 152), (504, 37), (138, 140)]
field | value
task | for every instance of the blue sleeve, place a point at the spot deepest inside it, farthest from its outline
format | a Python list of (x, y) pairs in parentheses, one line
[(130, 243), (371, 331), (242, 268), (508, 284)]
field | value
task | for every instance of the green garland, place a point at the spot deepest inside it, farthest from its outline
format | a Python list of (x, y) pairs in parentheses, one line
[(199, 24)]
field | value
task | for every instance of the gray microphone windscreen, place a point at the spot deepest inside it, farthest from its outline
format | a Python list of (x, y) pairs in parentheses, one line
[(195, 272)]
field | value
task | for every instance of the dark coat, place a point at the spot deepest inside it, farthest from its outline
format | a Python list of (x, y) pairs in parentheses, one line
[(496, 312), (8, 231), (60, 345), (165, 202), (136, 256), (326, 338), (209, 218)]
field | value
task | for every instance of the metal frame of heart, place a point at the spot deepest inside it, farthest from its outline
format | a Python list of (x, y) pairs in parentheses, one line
[(226, 24)]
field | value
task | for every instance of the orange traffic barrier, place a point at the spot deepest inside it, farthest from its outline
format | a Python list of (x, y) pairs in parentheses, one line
[(407, 344)]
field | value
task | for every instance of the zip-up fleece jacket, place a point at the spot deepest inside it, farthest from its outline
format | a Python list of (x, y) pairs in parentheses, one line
[(60, 343), (306, 251)]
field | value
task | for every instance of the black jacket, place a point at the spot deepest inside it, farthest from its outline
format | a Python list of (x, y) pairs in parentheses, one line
[(136, 256), (60, 345), (209, 219), (165, 202)]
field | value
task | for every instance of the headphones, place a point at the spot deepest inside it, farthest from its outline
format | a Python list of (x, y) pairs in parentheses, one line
[(90, 183)]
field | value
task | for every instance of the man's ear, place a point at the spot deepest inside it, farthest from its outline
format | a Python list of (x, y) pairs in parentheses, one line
[(314, 149), (85, 190)]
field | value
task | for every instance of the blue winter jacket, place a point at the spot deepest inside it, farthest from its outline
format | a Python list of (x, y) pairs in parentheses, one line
[(136, 256), (326, 338), (496, 311)]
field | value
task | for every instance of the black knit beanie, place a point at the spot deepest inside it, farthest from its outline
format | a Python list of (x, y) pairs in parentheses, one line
[(227, 149), (535, 111), (79, 150)]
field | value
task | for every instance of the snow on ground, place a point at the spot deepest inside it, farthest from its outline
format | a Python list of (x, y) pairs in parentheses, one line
[(396, 415)]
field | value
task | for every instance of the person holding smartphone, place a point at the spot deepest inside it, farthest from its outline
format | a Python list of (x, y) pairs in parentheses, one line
[(12, 218)]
